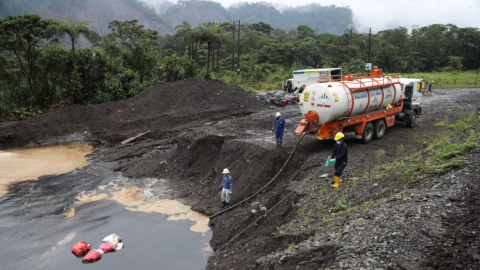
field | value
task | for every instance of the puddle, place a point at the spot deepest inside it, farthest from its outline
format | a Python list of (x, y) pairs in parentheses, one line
[(53, 213), (138, 199), (22, 164)]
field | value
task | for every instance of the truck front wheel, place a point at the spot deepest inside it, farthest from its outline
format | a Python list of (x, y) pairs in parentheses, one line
[(368, 132), (379, 129), (411, 122)]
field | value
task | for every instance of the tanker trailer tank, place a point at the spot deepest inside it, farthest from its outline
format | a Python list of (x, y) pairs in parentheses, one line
[(335, 100), (360, 107)]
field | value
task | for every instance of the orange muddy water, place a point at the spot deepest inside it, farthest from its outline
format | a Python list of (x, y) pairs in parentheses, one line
[(139, 199), (24, 164)]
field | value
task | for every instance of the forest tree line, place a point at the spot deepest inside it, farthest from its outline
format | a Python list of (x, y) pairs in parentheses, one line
[(37, 72)]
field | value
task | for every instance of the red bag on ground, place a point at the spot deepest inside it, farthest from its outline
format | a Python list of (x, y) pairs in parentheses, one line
[(80, 248), (92, 256), (107, 247)]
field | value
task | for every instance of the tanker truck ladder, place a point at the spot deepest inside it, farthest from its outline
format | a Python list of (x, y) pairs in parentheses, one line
[(350, 99), (264, 187)]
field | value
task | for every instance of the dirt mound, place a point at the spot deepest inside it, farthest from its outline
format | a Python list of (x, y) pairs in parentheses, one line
[(162, 108)]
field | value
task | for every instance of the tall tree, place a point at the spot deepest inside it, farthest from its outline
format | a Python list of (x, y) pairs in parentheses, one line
[(21, 38), (209, 34), (186, 31), (138, 42), (73, 29)]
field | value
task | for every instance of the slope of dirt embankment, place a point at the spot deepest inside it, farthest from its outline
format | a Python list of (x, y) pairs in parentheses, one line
[(199, 127), (164, 108)]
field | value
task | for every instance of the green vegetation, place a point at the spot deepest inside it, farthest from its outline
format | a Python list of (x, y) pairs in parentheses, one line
[(37, 73), (73, 29), (451, 79)]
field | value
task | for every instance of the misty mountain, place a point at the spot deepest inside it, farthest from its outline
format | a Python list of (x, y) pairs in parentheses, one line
[(195, 12), (100, 13), (166, 15), (322, 19)]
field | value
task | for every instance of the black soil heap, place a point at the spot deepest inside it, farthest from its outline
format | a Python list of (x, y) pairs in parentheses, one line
[(162, 108)]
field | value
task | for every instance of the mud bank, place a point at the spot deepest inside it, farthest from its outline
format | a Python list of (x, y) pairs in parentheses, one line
[(190, 155)]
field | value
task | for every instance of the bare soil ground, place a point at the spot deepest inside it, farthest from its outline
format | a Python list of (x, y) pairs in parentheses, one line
[(199, 127)]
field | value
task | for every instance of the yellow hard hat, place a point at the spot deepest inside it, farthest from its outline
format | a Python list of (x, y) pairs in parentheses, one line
[(432, 81), (339, 136)]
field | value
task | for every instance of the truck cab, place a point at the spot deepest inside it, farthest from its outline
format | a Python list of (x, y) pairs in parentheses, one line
[(416, 100)]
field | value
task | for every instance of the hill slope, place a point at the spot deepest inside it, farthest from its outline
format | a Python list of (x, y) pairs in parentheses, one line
[(322, 19), (195, 12), (99, 12)]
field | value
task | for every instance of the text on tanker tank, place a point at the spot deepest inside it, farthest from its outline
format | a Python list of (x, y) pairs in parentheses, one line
[(375, 93), (360, 95)]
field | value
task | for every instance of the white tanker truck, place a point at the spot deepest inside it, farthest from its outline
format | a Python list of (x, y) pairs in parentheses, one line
[(360, 107)]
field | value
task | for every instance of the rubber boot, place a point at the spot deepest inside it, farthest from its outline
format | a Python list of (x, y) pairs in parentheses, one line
[(278, 144), (281, 144), (226, 205), (223, 204), (431, 94), (337, 182)]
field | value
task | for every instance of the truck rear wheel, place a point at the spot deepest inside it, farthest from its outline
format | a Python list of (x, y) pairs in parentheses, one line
[(367, 135), (379, 128), (411, 122)]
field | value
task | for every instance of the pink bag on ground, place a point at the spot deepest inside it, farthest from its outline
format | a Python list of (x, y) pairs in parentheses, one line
[(93, 256), (80, 248), (107, 247)]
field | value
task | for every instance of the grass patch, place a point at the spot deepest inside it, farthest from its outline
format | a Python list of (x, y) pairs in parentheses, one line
[(450, 150), (341, 205), (325, 209), (454, 79)]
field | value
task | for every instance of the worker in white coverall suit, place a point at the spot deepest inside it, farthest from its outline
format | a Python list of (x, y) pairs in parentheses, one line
[(227, 184)]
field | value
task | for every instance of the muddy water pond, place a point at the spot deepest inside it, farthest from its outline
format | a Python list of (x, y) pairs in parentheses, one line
[(30, 163), (41, 219)]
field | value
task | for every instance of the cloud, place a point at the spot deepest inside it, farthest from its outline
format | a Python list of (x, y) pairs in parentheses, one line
[(387, 14)]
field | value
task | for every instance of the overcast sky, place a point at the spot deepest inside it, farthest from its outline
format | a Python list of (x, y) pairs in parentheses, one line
[(387, 14)]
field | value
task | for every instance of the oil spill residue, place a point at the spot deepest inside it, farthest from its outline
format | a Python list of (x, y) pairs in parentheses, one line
[(139, 199), (24, 164)]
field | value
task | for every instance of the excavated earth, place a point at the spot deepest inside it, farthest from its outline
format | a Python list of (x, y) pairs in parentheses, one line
[(198, 127)]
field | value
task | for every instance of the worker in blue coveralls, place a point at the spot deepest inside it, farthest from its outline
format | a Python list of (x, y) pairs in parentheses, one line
[(340, 154), (226, 186), (280, 126)]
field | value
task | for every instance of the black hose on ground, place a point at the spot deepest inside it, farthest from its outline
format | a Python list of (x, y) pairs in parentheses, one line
[(264, 187)]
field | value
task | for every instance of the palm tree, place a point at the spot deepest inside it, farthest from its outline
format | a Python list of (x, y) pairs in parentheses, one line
[(209, 33), (73, 29), (186, 31)]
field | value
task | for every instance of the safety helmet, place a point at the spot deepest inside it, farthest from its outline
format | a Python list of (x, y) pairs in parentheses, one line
[(296, 85), (225, 171), (339, 136), (278, 114), (432, 81)]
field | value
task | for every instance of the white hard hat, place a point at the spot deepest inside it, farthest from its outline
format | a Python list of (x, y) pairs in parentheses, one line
[(226, 170), (278, 114)]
